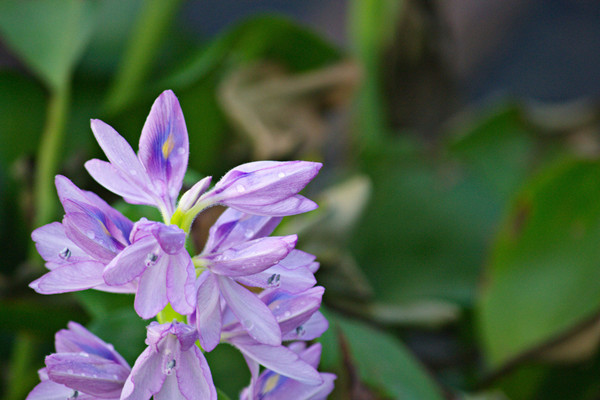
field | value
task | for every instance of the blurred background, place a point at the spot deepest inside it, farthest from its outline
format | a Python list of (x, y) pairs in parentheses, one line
[(459, 213)]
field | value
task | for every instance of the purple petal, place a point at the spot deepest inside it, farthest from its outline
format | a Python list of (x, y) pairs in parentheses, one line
[(190, 197), (208, 311), (297, 258), (256, 318), (151, 296), (48, 390), (78, 339), (164, 147), (70, 278), (90, 374), (120, 154), (251, 257), (132, 261), (91, 235), (169, 390), (292, 281), (235, 227), (266, 187), (194, 377), (309, 330), (146, 377), (54, 246), (279, 359), (117, 182), (180, 283), (170, 237), (292, 311)]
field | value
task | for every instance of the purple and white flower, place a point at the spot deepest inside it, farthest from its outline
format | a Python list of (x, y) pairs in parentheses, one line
[(83, 367), (171, 367)]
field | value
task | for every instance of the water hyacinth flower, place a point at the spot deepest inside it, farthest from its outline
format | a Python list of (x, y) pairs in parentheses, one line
[(171, 367), (273, 386), (77, 250), (83, 367), (154, 176), (158, 258)]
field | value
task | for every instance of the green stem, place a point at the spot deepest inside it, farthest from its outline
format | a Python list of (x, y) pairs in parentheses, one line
[(144, 43), (21, 376), (48, 155)]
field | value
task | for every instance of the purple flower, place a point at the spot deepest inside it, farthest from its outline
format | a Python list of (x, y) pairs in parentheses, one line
[(155, 175), (297, 317), (158, 259), (273, 386), (265, 188), (83, 366), (235, 250), (76, 251), (171, 367)]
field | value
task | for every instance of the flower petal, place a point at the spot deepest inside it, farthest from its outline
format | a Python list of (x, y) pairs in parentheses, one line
[(256, 318), (54, 246), (131, 262), (170, 237), (180, 283), (309, 330), (279, 359), (208, 311), (48, 390), (151, 296), (70, 278), (114, 180), (292, 281), (194, 377), (146, 376), (164, 147), (251, 257)]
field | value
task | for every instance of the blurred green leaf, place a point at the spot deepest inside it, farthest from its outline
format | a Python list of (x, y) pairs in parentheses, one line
[(543, 275), (99, 304), (221, 395), (382, 361), (228, 369), (49, 35)]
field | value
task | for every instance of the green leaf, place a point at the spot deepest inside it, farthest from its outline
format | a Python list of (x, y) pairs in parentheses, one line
[(382, 361), (543, 275), (221, 395), (49, 35)]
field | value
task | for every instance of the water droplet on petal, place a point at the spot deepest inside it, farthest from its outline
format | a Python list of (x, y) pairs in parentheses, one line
[(133, 172), (90, 234), (281, 174), (65, 253), (84, 354), (287, 314), (240, 188), (249, 233), (181, 151), (70, 371), (248, 324)]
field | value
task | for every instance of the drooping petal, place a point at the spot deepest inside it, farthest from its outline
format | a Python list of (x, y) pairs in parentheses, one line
[(251, 257), (256, 318), (48, 390), (114, 180), (70, 278), (151, 296), (193, 376), (87, 373), (279, 359), (297, 204), (146, 376), (54, 246), (180, 283), (208, 311), (132, 261), (292, 311), (164, 147)]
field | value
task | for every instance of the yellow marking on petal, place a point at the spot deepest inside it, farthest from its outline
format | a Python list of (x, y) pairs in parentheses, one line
[(271, 383), (168, 146)]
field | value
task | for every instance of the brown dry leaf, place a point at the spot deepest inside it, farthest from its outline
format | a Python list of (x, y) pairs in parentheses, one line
[(283, 113)]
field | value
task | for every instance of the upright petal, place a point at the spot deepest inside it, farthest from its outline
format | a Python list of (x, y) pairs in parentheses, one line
[(164, 146), (208, 311), (180, 283), (146, 376), (151, 296), (256, 318), (117, 182), (193, 376)]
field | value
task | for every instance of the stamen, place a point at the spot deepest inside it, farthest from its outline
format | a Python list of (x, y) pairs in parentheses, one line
[(151, 259), (65, 253), (274, 280)]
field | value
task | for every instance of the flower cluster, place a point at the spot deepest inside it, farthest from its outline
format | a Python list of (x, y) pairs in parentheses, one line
[(253, 291)]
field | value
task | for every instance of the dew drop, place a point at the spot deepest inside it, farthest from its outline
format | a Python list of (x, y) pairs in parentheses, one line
[(281, 174), (133, 172), (84, 354), (249, 233), (240, 188), (181, 151), (70, 371), (115, 377), (65, 253), (287, 314), (90, 234)]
